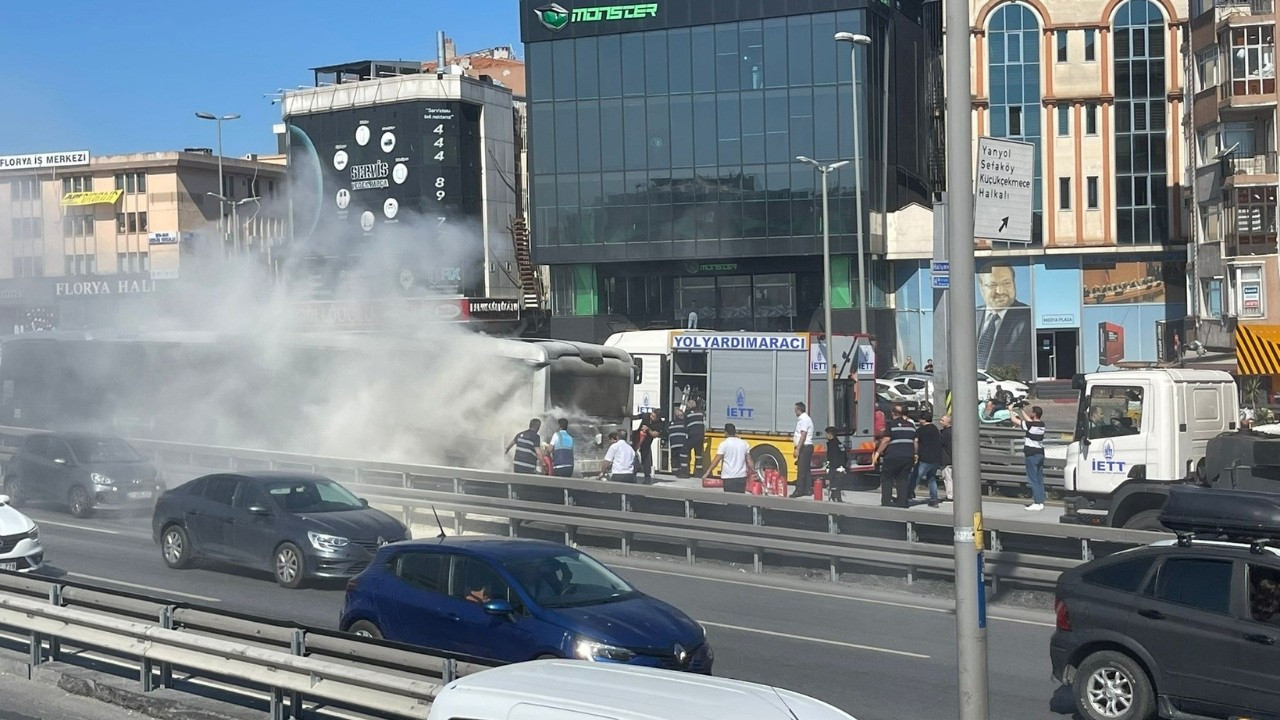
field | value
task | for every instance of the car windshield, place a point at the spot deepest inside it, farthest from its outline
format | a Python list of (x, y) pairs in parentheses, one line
[(568, 579), (104, 450), (312, 496)]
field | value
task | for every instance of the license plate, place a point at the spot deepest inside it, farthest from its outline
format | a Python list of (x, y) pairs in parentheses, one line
[(140, 495), (8, 566)]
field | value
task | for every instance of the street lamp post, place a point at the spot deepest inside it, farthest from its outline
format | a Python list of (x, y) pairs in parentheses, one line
[(854, 41), (826, 280), (222, 185), (235, 225)]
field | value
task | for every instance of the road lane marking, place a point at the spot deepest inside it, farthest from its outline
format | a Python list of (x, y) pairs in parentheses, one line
[(838, 643), (152, 588), (817, 593), (77, 527)]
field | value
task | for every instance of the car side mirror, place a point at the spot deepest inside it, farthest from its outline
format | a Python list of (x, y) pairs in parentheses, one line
[(259, 510), (364, 502), (4, 499), (499, 607)]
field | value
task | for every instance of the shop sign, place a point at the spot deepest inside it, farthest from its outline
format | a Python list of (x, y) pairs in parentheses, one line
[(103, 287), (556, 17), (35, 161), (92, 197)]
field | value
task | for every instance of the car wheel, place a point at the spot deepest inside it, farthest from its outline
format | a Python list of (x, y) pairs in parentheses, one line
[(767, 457), (364, 628), (1145, 520), (79, 504), (175, 546), (290, 566), (1113, 686), (13, 488)]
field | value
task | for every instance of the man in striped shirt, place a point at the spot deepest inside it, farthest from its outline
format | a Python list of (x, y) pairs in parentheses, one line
[(528, 445), (1033, 449)]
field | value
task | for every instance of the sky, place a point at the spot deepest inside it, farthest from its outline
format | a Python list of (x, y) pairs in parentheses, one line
[(123, 77)]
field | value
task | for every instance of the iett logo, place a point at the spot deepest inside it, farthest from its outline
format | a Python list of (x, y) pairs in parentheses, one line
[(553, 17)]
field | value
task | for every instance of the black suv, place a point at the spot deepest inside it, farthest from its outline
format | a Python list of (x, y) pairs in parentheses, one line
[(1183, 629)]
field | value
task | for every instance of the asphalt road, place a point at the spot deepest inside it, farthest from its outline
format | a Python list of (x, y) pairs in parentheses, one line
[(22, 699), (875, 654)]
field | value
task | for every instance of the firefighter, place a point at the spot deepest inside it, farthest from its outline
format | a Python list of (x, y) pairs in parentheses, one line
[(678, 442), (695, 423)]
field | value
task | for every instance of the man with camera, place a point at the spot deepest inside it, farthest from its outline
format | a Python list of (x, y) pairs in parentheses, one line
[(1033, 448)]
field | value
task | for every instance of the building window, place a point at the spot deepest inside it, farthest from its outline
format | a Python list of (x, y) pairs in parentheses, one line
[(77, 225), (1255, 226), (30, 266), (27, 228), (1013, 49), (1253, 50), (77, 183), (24, 189), (1064, 193), (1207, 68), (1064, 120), (1091, 191), (1062, 45), (132, 182), (1142, 188), (1250, 292), (82, 264), (134, 222), (133, 262), (1212, 292), (1090, 45), (1091, 119)]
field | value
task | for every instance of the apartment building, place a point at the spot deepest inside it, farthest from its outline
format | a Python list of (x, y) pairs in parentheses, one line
[(85, 243), (1232, 171)]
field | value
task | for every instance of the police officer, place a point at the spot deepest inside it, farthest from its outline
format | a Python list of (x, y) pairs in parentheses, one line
[(562, 450), (898, 450), (528, 445), (678, 443), (695, 423)]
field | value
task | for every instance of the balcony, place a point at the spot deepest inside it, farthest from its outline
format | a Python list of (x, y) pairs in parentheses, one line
[(1228, 10), (1255, 169), (1252, 218)]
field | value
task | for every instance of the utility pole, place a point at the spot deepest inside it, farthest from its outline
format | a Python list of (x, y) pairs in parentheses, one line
[(971, 618), (826, 170), (941, 334)]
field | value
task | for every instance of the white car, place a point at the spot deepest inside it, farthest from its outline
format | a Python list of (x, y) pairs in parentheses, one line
[(894, 391), (987, 386), (20, 547)]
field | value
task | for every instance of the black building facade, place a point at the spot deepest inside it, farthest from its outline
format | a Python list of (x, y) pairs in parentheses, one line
[(663, 139)]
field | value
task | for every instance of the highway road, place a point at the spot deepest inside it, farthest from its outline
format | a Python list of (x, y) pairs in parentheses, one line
[(879, 655)]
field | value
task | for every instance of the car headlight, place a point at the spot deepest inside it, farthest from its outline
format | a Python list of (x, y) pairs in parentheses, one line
[(596, 651), (320, 541), (34, 533), (100, 479)]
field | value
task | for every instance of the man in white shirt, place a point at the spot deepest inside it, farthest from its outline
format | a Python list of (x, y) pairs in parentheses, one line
[(735, 456), (619, 460), (803, 452)]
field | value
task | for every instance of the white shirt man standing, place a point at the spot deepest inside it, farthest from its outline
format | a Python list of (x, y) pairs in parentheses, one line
[(735, 456), (619, 460), (803, 452)]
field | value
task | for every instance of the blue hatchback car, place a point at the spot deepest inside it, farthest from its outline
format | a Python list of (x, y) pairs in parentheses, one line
[(510, 600)]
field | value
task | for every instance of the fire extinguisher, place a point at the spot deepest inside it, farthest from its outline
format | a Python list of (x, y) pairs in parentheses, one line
[(817, 488)]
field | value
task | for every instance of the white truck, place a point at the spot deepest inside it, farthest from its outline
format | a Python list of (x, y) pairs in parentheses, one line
[(1140, 432)]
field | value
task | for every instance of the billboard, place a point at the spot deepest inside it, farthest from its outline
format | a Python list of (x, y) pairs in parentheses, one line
[(403, 177), (37, 161)]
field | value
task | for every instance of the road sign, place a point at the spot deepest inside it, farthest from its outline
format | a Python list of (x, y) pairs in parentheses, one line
[(941, 267), (941, 282), (1004, 190)]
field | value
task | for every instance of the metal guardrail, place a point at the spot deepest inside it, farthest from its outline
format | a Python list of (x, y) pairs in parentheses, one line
[(292, 661)]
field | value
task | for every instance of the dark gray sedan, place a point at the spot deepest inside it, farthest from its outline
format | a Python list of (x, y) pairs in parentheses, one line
[(82, 472), (297, 526)]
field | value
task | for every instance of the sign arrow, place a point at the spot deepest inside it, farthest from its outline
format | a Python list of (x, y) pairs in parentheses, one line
[(1004, 223)]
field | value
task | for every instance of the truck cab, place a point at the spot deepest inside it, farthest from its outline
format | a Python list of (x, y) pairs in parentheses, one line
[(1137, 433)]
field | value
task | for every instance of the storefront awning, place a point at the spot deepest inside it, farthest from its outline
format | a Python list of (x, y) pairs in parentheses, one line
[(1258, 349)]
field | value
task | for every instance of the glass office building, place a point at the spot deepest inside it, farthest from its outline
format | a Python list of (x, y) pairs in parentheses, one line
[(663, 139)]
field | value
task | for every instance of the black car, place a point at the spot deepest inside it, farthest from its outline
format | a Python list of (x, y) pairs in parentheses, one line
[(82, 472), (1185, 628), (298, 526)]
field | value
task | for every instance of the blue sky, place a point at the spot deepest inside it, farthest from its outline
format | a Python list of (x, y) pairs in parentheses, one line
[(118, 77)]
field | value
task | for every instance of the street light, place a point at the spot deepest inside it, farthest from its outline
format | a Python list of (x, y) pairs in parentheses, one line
[(826, 280), (854, 41), (235, 225), (222, 186)]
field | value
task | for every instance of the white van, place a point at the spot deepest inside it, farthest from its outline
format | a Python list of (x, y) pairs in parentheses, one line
[(578, 690)]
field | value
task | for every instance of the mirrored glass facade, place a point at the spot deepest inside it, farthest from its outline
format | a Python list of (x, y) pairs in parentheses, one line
[(668, 142)]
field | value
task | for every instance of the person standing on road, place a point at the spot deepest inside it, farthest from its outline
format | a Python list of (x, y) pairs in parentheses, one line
[(837, 464), (695, 422), (678, 444), (1033, 448), (650, 429), (945, 432), (803, 452), (561, 446), (898, 450), (735, 456), (619, 460), (928, 366), (528, 445), (932, 458), (909, 365)]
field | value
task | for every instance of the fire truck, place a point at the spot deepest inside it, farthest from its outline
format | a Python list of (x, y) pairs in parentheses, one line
[(753, 380)]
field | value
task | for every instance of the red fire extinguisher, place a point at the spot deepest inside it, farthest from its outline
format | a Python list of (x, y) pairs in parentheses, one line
[(817, 488)]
